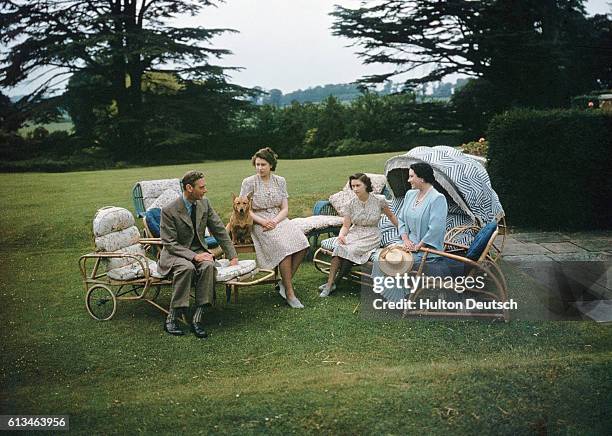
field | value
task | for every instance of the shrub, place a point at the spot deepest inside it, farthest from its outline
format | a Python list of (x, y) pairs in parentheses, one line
[(551, 169), (477, 148)]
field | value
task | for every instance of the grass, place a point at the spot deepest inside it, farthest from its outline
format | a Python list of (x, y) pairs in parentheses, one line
[(267, 368), (51, 127)]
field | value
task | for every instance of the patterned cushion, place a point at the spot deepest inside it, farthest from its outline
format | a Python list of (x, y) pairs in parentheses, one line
[(225, 272), (136, 250), (111, 219), (118, 240), (151, 189), (340, 201), (317, 222), (133, 271), (330, 243), (388, 232), (165, 198), (115, 232)]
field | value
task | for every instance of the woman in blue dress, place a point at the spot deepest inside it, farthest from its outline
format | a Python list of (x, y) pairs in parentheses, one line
[(422, 219)]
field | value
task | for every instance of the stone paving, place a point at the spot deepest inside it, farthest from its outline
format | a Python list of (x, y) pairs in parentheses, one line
[(581, 260), (556, 246)]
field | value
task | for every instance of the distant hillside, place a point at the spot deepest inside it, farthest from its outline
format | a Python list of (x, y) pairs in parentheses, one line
[(346, 92)]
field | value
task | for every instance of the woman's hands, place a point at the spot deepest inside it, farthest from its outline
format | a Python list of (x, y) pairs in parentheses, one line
[(408, 245), (342, 240), (269, 224)]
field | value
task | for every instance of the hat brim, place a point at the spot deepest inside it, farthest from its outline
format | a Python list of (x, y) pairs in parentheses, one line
[(395, 269)]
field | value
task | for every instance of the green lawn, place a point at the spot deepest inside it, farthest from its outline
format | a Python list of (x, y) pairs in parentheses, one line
[(51, 127), (266, 367)]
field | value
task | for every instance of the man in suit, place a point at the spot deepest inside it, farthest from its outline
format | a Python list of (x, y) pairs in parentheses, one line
[(185, 254)]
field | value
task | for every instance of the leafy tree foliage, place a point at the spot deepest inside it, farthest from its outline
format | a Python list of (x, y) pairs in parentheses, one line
[(534, 52), (113, 43)]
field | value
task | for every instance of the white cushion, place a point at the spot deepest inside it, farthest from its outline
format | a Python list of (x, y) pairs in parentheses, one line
[(317, 222), (118, 240), (111, 219), (136, 249), (133, 271), (151, 189), (165, 198), (226, 272), (340, 201)]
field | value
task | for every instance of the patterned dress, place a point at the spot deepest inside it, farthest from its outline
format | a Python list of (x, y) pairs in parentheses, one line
[(364, 234), (272, 246)]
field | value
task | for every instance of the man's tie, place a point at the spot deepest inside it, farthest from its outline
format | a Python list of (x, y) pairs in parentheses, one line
[(193, 216)]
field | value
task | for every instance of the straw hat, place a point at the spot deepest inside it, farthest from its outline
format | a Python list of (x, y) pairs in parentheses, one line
[(393, 260)]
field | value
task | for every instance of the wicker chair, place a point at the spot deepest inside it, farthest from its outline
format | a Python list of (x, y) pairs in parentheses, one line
[(121, 269)]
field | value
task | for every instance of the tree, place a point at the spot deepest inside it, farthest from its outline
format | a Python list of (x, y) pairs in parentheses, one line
[(535, 52), (116, 40)]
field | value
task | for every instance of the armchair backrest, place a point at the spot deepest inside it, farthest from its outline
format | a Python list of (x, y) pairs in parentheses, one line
[(148, 194)]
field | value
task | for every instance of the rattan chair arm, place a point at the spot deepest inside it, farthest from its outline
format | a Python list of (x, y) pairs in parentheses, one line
[(234, 282), (151, 241)]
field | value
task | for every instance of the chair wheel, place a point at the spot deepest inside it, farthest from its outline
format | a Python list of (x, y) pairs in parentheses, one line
[(100, 302)]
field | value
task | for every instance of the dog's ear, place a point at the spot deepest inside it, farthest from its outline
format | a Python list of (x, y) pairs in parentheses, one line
[(250, 196), (233, 196)]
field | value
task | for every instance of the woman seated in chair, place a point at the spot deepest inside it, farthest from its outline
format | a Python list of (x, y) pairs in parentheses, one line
[(422, 219), (278, 242), (359, 234)]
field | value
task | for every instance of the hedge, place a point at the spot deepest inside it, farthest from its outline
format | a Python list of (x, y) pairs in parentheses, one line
[(552, 169)]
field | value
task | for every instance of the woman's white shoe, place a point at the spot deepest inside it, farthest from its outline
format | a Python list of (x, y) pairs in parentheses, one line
[(325, 290), (295, 303), (281, 289)]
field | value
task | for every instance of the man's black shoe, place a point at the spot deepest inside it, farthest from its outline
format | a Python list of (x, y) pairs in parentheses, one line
[(173, 328), (198, 330)]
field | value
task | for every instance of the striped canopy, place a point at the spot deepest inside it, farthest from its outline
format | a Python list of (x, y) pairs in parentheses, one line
[(463, 180)]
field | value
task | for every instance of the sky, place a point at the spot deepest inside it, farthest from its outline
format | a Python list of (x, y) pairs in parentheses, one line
[(287, 44)]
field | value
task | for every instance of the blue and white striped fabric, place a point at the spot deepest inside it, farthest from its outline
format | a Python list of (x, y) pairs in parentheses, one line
[(388, 232), (472, 198)]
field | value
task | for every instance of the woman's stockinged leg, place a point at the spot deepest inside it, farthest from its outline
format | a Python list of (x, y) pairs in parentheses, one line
[(285, 268), (333, 269), (296, 260)]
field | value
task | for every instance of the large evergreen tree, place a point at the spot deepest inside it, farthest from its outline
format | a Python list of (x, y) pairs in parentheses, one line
[(534, 52), (117, 41)]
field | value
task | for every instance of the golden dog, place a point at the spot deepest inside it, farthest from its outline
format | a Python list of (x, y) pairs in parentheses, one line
[(240, 223)]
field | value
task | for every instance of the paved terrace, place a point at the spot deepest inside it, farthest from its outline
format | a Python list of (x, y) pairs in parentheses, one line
[(576, 266)]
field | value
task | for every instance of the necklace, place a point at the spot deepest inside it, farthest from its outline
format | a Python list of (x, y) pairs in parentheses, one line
[(419, 201)]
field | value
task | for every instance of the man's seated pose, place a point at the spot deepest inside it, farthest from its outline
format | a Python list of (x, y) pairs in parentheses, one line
[(185, 254)]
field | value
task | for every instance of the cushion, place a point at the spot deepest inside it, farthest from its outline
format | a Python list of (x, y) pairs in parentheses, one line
[(133, 271), (226, 272), (118, 240), (153, 218), (111, 219), (165, 198), (151, 189), (317, 222), (340, 201), (388, 232), (136, 249), (481, 240)]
